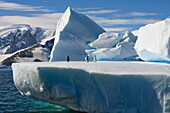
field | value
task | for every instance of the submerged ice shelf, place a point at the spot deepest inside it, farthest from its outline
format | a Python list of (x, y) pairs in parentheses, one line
[(112, 87)]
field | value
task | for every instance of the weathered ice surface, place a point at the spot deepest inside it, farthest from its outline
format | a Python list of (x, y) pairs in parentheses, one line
[(101, 87), (153, 43), (112, 46)]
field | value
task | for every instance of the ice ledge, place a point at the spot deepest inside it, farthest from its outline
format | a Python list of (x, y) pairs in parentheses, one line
[(102, 87), (107, 67)]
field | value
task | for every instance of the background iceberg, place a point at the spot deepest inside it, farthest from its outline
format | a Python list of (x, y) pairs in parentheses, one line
[(112, 46), (74, 31), (155, 40), (106, 40)]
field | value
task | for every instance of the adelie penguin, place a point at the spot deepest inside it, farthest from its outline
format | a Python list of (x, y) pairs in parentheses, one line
[(68, 59), (87, 59), (95, 58)]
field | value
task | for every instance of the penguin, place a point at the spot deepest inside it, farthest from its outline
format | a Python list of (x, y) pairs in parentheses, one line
[(95, 58), (68, 59), (87, 58)]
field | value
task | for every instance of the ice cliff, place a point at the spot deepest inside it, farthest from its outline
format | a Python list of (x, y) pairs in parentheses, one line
[(153, 42), (73, 33), (101, 87)]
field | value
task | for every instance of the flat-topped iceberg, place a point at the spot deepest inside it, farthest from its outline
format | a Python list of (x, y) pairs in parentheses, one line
[(101, 87)]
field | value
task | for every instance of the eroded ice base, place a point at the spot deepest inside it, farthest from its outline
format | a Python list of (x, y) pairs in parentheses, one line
[(101, 87)]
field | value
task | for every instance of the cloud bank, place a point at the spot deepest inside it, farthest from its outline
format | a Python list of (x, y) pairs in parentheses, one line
[(136, 14), (20, 7), (47, 21)]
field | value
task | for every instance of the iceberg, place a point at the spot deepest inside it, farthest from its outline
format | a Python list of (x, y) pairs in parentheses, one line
[(106, 40), (112, 46), (130, 35), (97, 87), (73, 33), (153, 43)]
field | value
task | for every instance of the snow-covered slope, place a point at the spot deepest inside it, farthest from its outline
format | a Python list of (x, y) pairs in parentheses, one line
[(153, 42), (39, 52), (20, 36), (5, 30), (111, 46), (74, 31), (100, 87), (22, 43)]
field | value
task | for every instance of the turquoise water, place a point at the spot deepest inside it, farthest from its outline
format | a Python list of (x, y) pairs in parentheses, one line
[(12, 101)]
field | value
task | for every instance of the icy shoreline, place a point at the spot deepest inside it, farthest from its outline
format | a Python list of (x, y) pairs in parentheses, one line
[(97, 87)]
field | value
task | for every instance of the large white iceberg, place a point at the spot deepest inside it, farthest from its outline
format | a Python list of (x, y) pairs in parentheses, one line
[(73, 33), (101, 87), (112, 46), (153, 43)]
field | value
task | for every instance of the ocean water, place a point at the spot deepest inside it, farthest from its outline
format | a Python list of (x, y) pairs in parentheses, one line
[(11, 101)]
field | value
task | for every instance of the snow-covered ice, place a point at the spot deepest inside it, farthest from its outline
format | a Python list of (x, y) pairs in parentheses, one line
[(73, 33), (97, 87), (106, 40), (112, 46), (130, 35), (153, 42)]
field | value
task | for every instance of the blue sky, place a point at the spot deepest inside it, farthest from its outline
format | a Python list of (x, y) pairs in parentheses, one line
[(113, 15)]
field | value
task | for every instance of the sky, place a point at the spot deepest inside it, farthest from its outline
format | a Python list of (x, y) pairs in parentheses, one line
[(112, 15)]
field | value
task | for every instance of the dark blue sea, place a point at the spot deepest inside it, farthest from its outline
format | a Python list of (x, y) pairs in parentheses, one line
[(11, 101)]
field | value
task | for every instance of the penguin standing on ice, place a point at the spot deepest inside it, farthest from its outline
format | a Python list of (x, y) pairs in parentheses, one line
[(87, 59), (68, 59), (95, 58)]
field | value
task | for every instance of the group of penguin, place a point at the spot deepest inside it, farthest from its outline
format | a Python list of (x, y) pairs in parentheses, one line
[(86, 58)]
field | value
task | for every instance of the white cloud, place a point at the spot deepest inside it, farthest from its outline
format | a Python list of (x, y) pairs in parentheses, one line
[(21, 7), (92, 8), (136, 14), (101, 11), (117, 29), (47, 21), (111, 22), (50, 20)]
